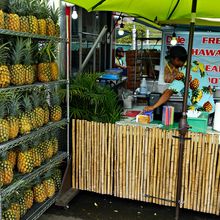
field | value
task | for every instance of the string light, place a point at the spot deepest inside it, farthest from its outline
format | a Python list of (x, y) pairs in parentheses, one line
[(121, 31), (74, 13), (173, 41)]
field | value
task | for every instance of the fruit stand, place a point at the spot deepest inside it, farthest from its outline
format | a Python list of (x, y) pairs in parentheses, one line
[(31, 113), (139, 162)]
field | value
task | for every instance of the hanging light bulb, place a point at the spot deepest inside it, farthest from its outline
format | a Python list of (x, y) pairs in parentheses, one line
[(173, 41), (121, 31), (74, 13)]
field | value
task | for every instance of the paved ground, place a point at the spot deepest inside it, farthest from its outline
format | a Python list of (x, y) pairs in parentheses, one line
[(91, 206)]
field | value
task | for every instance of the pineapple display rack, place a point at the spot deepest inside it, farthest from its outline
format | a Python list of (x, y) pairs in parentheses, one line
[(37, 176)]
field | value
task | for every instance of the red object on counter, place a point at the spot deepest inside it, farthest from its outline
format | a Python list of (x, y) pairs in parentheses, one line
[(132, 113)]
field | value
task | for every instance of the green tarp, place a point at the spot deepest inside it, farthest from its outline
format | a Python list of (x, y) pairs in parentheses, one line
[(158, 12)]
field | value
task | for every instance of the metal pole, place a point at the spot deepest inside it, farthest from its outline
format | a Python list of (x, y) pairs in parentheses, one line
[(102, 33), (183, 126)]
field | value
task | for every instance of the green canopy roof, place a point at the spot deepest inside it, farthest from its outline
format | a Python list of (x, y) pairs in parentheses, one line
[(159, 12)]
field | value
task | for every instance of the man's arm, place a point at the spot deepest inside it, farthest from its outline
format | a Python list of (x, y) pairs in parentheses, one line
[(164, 98)]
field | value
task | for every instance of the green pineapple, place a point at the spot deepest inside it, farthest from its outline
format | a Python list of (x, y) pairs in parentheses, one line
[(57, 177)]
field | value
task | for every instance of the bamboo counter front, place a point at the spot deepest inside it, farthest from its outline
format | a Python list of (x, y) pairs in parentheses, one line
[(131, 161)]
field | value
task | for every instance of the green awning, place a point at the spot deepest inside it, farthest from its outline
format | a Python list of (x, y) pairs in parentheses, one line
[(158, 12)]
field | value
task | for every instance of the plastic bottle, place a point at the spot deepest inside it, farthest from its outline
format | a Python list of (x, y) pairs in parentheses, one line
[(143, 86)]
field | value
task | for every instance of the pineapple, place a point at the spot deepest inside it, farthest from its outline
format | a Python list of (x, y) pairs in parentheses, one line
[(54, 14), (207, 89), (3, 7), (38, 110), (179, 76), (12, 157), (16, 209), (48, 145), (40, 194), (45, 106), (194, 84), (196, 96), (54, 69), (12, 19), (43, 14), (9, 214), (44, 72), (28, 62), (25, 160), (29, 112), (22, 10), (4, 71), (17, 70), (12, 118), (25, 125), (57, 177), (4, 126), (207, 106), (21, 202), (36, 156), (41, 149), (6, 169), (32, 8), (49, 185), (28, 198), (55, 143), (51, 27), (55, 108)]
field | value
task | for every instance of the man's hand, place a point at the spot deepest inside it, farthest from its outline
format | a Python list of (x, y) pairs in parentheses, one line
[(149, 108)]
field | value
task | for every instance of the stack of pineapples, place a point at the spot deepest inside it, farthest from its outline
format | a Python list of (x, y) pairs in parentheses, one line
[(25, 158), (16, 206), (20, 114), (33, 16)]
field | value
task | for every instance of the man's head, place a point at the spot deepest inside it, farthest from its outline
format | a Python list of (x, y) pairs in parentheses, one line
[(120, 52), (177, 56)]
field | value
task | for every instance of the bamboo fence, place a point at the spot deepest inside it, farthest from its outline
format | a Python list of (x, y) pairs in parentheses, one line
[(140, 163)]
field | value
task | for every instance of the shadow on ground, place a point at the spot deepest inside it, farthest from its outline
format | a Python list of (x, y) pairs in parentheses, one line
[(91, 206)]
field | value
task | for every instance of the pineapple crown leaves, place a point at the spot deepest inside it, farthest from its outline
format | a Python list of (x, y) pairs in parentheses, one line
[(55, 98), (18, 6), (35, 99), (4, 52), (24, 147), (29, 50), (26, 104), (54, 13), (18, 51), (32, 7), (13, 105), (47, 52), (4, 4), (2, 110), (43, 9), (47, 175), (4, 155)]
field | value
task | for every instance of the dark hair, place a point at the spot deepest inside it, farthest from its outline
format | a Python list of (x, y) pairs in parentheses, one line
[(119, 49), (177, 52)]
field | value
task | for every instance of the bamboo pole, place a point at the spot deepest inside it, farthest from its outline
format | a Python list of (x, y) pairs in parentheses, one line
[(160, 165), (143, 148), (109, 144), (73, 154), (217, 186), (127, 160), (124, 161), (215, 153), (112, 158), (136, 186), (80, 157), (131, 144), (155, 167)]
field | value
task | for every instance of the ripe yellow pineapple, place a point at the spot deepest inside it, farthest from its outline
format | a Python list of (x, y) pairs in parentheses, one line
[(12, 19), (49, 185), (12, 118), (28, 62), (51, 27), (48, 145), (55, 108), (28, 198), (194, 84), (179, 76), (17, 209), (57, 177), (4, 71), (40, 194), (2, 19), (17, 69), (32, 9), (54, 15), (12, 157), (4, 126), (196, 96), (207, 106), (9, 214), (29, 112), (36, 156), (41, 149), (24, 160), (6, 169), (43, 14), (21, 202), (44, 72), (54, 69), (38, 110)]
